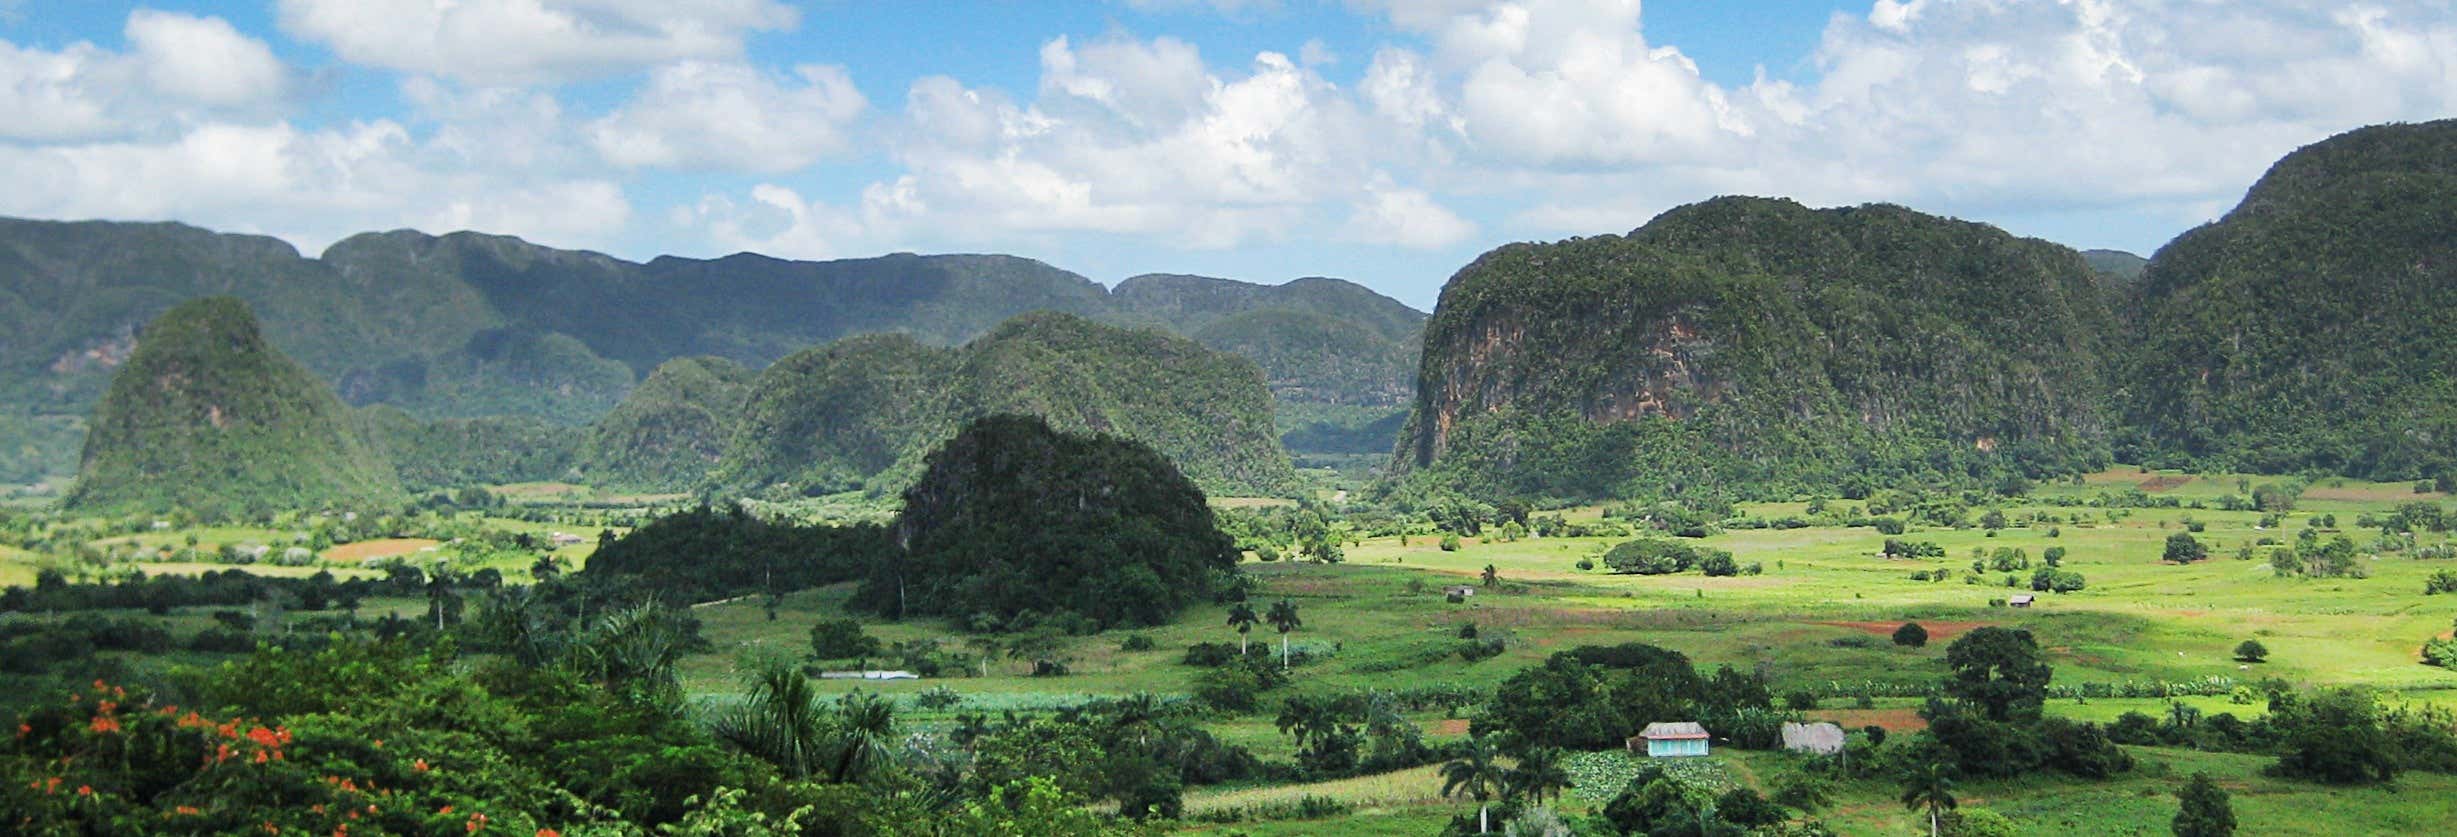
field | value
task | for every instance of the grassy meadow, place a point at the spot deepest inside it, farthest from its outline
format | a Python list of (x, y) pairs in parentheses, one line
[(1819, 615)]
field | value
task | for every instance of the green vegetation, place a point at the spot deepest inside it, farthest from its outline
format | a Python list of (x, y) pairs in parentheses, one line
[(2300, 332), (456, 453), (863, 412), (209, 418), (1759, 348), (1014, 524), (670, 432)]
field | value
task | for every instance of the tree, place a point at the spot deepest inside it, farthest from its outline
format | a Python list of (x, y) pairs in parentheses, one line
[(1241, 616), (2001, 670), (2203, 809), (1491, 576), (1911, 635), (841, 639), (1477, 774), (865, 736), (1930, 787), (781, 722), (1283, 618), (2183, 548), (2334, 736), (1539, 774), (2252, 651)]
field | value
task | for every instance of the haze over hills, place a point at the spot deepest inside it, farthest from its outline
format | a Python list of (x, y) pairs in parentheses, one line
[(1748, 341), (862, 412), (469, 325)]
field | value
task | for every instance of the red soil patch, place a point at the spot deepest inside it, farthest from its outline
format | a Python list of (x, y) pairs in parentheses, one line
[(386, 548), (1936, 630), (2164, 483), (1451, 726), (1893, 720)]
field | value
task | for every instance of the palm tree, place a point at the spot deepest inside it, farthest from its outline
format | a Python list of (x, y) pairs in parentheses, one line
[(781, 721), (1476, 775), (1241, 616), (865, 735), (1538, 774), (1283, 618), (1931, 787), (1491, 576)]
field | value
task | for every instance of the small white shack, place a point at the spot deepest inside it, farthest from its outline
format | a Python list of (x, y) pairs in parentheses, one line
[(1678, 739), (1820, 738)]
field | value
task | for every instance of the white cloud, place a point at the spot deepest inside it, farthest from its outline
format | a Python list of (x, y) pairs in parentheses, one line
[(1404, 218), (697, 114), (176, 67), (1974, 108), (529, 41), (1125, 137), (204, 60)]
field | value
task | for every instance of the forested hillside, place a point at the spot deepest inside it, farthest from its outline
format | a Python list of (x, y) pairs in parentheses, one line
[(1756, 345), (672, 429), (469, 325), (2308, 329), (860, 413), (207, 417)]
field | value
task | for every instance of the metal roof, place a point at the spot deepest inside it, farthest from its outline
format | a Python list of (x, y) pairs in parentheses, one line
[(1677, 729)]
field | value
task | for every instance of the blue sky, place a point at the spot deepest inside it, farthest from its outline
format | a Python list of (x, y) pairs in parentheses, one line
[(1384, 141)]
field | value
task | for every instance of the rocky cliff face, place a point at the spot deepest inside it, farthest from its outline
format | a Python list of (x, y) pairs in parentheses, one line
[(1749, 341)]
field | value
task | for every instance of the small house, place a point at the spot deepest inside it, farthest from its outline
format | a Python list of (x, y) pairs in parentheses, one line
[(1671, 740), (1821, 738), (2022, 600), (1459, 591)]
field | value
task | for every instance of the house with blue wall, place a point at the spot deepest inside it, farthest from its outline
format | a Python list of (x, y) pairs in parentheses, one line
[(1663, 740)]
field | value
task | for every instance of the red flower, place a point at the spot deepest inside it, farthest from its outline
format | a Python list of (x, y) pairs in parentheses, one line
[(85, 790)]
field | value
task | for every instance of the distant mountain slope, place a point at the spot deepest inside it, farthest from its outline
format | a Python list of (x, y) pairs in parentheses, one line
[(860, 413), (2308, 329), (1754, 342), (468, 325), (208, 417), (672, 429)]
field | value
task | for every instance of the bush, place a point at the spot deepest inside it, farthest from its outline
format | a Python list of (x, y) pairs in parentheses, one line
[(1911, 635), (1210, 654), (842, 639), (1137, 642), (2251, 651), (1450, 543)]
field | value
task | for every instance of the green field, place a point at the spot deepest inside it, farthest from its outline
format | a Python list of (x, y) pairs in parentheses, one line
[(1818, 616)]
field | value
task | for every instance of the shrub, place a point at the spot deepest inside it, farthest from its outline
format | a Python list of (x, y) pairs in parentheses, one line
[(1911, 635), (2251, 651), (1137, 642), (1450, 543)]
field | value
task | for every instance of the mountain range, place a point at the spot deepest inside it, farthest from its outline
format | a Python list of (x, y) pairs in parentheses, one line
[(471, 326)]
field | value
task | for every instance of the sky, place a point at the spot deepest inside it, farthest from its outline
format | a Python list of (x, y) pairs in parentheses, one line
[(1384, 141)]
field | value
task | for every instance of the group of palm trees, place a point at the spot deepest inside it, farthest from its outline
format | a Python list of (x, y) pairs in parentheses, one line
[(1282, 616), (1478, 774)]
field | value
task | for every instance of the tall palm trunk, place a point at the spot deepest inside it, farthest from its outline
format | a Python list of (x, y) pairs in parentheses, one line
[(1283, 650), (1484, 822)]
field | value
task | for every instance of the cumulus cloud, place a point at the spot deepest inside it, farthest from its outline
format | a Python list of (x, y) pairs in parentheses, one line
[(1124, 136), (203, 59), (1404, 218), (697, 114), (308, 186), (176, 66), (529, 41)]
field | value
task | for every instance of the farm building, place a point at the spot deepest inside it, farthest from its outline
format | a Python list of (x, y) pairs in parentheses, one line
[(1671, 740), (1459, 591), (2019, 601), (1820, 738)]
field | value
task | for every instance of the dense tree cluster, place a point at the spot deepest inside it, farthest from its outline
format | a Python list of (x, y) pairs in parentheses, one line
[(709, 553), (1595, 697), (1014, 522)]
